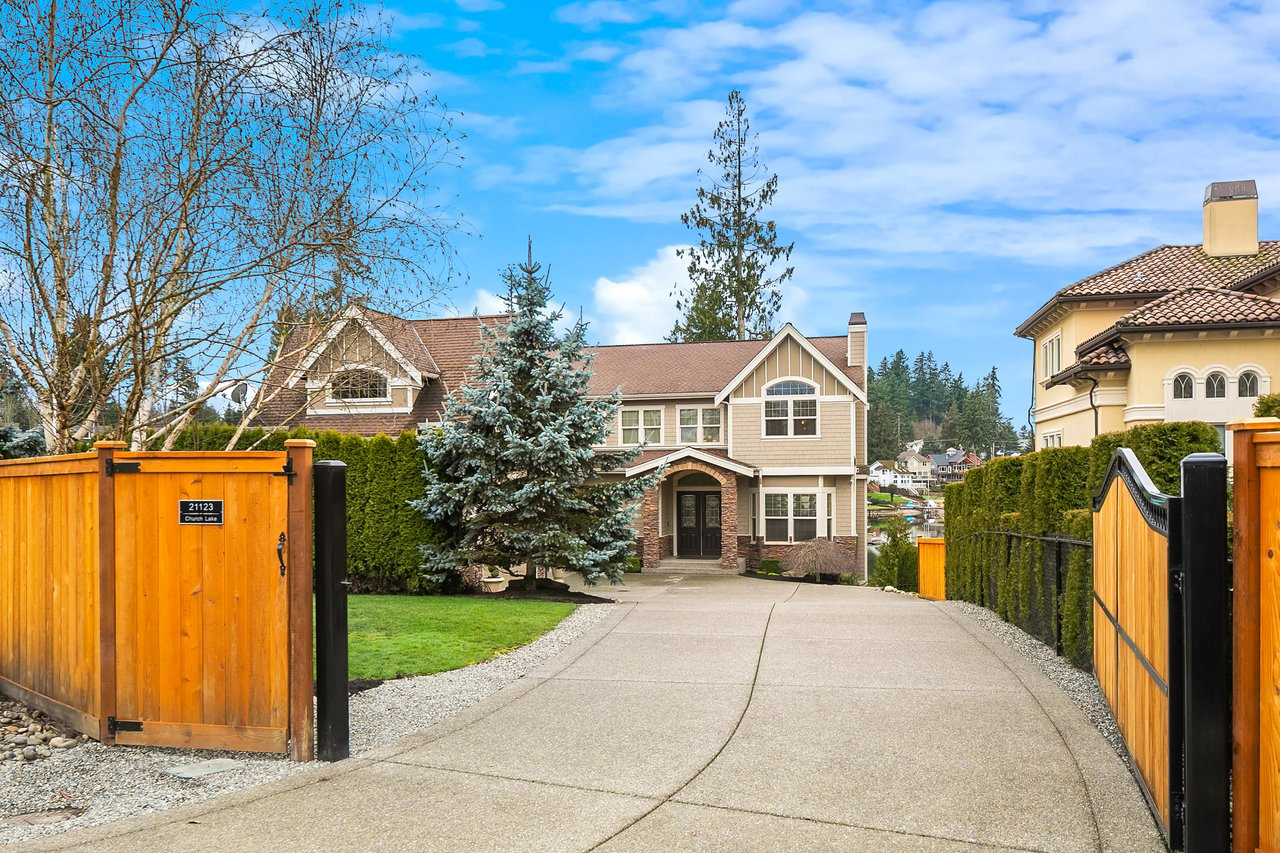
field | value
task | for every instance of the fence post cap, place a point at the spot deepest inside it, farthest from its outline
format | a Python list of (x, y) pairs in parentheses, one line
[(110, 445), (1253, 424), (299, 442)]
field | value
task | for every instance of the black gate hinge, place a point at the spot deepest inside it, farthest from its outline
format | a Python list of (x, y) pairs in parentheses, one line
[(286, 471), (114, 725), (114, 467), (1176, 577)]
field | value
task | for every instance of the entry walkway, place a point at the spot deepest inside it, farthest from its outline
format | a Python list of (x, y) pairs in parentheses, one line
[(717, 713)]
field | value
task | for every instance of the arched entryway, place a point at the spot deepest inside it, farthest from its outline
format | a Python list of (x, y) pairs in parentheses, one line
[(702, 511)]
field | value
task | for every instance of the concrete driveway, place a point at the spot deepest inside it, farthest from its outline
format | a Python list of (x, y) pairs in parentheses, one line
[(717, 713)]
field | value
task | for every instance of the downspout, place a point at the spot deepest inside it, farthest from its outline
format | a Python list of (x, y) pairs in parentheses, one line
[(1092, 403)]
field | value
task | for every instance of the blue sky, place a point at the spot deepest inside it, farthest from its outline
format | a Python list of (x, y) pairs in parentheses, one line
[(943, 167)]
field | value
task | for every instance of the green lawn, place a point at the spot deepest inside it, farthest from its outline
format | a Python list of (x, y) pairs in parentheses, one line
[(884, 498), (394, 635)]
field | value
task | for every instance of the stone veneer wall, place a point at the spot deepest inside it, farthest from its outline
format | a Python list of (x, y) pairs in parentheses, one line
[(656, 548)]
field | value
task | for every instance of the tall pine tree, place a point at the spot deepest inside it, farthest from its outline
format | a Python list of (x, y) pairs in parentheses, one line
[(731, 294), (511, 476)]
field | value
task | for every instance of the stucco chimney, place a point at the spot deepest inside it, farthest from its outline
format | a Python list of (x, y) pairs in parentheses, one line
[(1231, 219), (857, 347)]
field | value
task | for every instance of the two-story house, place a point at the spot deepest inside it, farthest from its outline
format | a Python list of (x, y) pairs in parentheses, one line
[(1176, 333), (763, 443)]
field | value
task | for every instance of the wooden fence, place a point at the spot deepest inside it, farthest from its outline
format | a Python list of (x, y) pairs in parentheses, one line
[(161, 598), (933, 569), (1256, 637), (1160, 616)]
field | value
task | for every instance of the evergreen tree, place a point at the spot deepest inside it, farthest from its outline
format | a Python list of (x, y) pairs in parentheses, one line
[(511, 476), (731, 293)]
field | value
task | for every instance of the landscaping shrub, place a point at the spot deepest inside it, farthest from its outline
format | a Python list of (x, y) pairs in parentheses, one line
[(817, 557), (1046, 493), (769, 565), (898, 563), (384, 534), (1267, 406)]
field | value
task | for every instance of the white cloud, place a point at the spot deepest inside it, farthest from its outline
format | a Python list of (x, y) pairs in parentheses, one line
[(469, 48), (481, 302), (590, 15), (1049, 135), (639, 307), (479, 5)]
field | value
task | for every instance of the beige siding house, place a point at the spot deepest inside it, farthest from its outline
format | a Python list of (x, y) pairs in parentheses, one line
[(1177, 333), (762, 443)]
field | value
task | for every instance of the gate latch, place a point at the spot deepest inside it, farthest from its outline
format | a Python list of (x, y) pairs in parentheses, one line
[(280, 552)]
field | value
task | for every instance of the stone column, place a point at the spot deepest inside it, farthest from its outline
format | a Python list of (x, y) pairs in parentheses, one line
[(729, 522), (650, 520)]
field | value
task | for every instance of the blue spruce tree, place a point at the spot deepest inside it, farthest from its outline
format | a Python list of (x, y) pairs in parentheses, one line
[(511, 476)]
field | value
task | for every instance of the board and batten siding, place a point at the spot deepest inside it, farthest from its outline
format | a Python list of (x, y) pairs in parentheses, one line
[(788, 359), (831, 448)]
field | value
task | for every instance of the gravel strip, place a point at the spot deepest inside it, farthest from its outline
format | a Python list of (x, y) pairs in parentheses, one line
[(1082, 687), (99, 784)]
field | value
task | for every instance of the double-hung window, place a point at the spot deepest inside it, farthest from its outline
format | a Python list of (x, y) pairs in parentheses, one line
[(643, 424), (1051, 357), (790, 517), (699, 426), (790, 408)]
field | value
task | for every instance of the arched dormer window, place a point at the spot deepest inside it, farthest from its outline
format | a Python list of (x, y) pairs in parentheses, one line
[(1184, 387), (1248, 384), (791, 408), (358, 385), (1215, 386)]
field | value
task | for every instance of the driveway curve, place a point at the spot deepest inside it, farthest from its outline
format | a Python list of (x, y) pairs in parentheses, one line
[(716, 713)]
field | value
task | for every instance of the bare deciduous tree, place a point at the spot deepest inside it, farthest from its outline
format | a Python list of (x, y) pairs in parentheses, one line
[(187, 185)]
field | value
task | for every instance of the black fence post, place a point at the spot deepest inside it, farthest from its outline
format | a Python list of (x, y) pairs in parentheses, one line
[(1206, 630), (333, 723)]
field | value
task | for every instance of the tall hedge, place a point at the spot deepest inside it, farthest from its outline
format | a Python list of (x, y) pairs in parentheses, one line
[(1048, 493), (383, 475)]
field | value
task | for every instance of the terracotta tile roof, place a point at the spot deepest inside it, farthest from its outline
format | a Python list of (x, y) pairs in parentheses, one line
[(1168, 268), (1105, 355), (1194, 306), (1165, 269)]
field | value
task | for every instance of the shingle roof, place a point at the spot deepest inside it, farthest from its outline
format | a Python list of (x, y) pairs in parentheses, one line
[(1165, 269), (703, 367)]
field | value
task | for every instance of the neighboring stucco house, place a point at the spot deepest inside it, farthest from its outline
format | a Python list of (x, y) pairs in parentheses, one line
[(763, 442), (917, 467), (1176, 333)]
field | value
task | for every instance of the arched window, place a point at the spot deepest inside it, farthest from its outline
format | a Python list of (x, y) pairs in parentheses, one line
[(1248, 384), (791, 408), (1215, 385), (1184, 387), (359, 385)]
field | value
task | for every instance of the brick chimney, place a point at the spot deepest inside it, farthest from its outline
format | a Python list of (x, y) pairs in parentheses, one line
[(1231, 219), (857, 347)]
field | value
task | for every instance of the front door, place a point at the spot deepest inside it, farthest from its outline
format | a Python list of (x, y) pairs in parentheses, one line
[(698, 524)]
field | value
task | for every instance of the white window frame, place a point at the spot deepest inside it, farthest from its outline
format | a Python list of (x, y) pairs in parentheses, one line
[(640, 427), (1222, 377), (700, 426), (823, 523), (1191, 381), (1051, 439), (1257, 384), (356, 401), (1051, 356), (789, 399)]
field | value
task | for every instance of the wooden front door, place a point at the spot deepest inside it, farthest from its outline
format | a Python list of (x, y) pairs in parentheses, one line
[(202, 606), (698, 524)]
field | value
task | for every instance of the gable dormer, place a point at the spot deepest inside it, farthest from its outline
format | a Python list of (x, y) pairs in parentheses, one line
[(368, 363)]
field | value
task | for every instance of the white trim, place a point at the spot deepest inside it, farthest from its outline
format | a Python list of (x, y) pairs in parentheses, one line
[(790, 331), (699, 426), (662, 426), (821, 398), (790, 400), (810, 470), (1080, 403), (358, 410), (820, 517), (728, 435), (1139, 412), (691, 453), (354, 313)]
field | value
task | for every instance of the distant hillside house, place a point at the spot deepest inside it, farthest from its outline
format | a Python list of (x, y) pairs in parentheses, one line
[(1177, 333), (764, 442)]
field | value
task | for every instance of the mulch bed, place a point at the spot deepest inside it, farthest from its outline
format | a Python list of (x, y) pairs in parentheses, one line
[(546, 590), (827, 579)]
